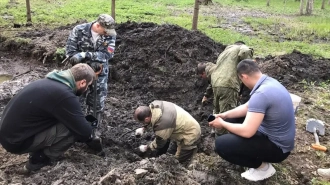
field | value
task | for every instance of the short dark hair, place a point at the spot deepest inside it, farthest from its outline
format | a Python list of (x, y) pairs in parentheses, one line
[(83, 71), (142, 113), (247, 66), (239, 42), (200, 68)]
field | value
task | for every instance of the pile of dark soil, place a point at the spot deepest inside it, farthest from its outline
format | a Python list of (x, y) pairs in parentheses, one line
[(152, 62), (292, 69)]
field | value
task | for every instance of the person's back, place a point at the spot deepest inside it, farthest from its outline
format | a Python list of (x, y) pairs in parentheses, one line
[(186, 127), (225, 74), (33, 110), (279, 121), (169, 122)]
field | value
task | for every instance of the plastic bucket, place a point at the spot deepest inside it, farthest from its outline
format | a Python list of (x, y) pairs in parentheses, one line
[(295, 101)]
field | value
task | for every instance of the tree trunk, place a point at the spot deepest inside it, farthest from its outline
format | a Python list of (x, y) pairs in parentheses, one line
[(309, 7), (302, 5), (195, 16), (28, 12), (329, 2), (268, 2), (113, 9), (323, 4)]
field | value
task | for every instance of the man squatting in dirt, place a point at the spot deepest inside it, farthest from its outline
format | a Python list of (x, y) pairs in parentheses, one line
[(94, 42), (45, 118), (268, 131), (169, 122), (223, 78)]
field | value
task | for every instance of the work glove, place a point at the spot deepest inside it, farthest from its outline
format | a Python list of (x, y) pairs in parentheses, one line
[(143, 148), (77, 58), (97, 67), (204, 99), (95, 143), (92, 120), (139, 132), (81, 57)]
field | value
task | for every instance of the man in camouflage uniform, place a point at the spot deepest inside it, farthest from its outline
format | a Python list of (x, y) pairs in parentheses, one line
[(169, 122), (94, 42), (223, 76)]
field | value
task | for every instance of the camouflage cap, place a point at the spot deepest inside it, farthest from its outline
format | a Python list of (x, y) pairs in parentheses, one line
[(107, 22)]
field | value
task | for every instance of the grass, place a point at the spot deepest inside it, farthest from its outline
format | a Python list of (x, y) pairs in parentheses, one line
[(295, 32), (276, 6)]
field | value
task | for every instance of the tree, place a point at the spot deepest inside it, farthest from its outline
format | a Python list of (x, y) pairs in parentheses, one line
[(268, 2), (302, 5), (113, 9), (309, 7), (195, 16), (28, 12), (323, 4)]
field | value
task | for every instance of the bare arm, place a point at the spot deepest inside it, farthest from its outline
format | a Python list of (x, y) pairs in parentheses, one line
[(247, 129)]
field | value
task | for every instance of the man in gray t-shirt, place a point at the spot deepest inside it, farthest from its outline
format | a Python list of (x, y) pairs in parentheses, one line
[(267, 133)]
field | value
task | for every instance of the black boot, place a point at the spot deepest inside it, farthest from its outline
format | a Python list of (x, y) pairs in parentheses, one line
[(36, 161)]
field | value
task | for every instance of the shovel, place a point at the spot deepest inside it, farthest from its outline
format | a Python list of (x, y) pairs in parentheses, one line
[(313, 126)]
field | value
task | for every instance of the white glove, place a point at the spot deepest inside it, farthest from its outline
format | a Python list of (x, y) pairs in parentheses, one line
[(139, 131), (143, 148)]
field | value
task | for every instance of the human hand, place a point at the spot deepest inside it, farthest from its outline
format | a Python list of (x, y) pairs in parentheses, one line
[(77, 58), (92, 120), (95, 143), (217, 123), (97, 67), (143, 148), (204, 99), (221, 115), (139, 131)]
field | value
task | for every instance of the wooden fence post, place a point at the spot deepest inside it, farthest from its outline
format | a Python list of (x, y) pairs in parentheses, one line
[(113, 9), (195, 16)]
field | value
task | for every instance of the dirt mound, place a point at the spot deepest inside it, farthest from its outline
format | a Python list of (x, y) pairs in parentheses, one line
[(156, 62), (42, 44), (293, 68), (151, 62)]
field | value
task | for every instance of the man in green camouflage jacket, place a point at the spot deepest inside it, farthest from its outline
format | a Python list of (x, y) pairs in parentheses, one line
[(223, 78), (94, 42)]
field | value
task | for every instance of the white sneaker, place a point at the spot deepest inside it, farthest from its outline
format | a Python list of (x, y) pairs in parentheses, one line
[(254, 174), (324, 173)]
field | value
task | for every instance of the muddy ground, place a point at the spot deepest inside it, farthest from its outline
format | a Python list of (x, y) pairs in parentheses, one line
[(152, 62)]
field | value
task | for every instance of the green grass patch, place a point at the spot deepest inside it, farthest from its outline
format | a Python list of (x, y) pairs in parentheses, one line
[(294, 28), (276, 6), (61, 12)]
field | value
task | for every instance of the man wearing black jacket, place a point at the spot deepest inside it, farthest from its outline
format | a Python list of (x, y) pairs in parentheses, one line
[(45, 118)]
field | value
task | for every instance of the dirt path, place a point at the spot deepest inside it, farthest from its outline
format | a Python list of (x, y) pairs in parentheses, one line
[(151, 62)]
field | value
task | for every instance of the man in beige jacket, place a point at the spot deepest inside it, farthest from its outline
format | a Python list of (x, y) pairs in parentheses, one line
[(169, 122)]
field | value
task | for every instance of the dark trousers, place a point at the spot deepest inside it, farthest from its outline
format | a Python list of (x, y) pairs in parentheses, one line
[(185, 155), (53, 142), (248, 152)]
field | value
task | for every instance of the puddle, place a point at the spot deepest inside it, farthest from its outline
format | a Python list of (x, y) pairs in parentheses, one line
[(5, 78)]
